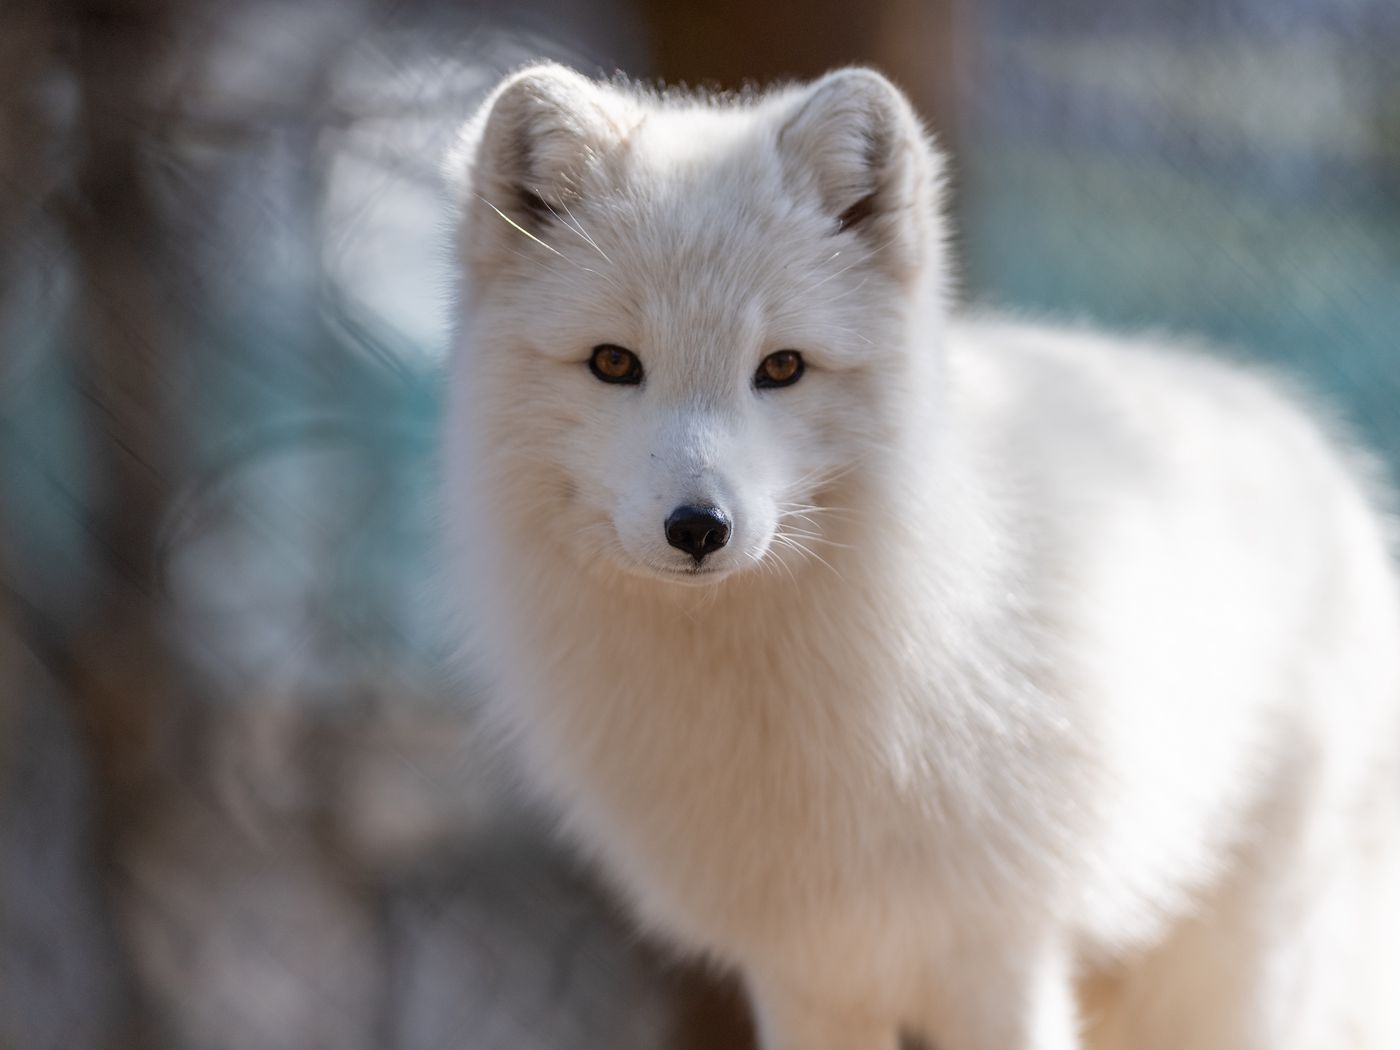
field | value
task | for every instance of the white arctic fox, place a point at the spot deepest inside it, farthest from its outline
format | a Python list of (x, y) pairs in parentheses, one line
[(1017, 687)]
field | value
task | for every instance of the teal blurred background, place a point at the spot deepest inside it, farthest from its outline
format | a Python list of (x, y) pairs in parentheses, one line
[(1225, 169), (243, 802)]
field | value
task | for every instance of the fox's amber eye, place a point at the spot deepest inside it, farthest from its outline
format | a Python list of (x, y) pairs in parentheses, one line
[(781, 369), (613, 364)]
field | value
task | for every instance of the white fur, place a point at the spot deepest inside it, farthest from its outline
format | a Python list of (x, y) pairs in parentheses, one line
[(1046, 694)]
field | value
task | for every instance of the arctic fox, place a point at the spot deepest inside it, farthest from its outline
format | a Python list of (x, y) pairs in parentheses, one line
[(1010, 687)]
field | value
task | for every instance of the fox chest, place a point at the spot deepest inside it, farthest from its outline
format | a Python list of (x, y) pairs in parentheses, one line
[(735, 794)]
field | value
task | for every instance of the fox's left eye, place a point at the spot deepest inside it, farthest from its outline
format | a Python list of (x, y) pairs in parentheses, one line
[(615, 364), (781, 369)]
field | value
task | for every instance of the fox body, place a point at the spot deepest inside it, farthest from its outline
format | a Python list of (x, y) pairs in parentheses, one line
[(1022, 688)]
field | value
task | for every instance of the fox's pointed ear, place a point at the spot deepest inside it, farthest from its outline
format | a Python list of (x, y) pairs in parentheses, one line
[(534, 142), (853, 145)]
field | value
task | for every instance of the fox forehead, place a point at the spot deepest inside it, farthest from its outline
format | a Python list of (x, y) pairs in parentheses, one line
[(687, 265), (727, 212)]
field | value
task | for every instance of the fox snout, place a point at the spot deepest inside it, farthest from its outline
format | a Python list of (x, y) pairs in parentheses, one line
[(697, 530)]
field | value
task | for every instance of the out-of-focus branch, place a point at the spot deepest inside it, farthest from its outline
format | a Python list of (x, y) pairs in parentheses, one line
[(126, 360), (125, 357)]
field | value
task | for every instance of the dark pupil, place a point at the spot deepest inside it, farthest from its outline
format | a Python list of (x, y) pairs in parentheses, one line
[(615, 361), (780, 366)]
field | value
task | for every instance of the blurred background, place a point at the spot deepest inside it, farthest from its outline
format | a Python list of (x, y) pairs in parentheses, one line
[(243, 804)]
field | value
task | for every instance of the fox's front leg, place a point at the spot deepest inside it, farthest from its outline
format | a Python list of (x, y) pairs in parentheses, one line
[(1019, 997), (791, 1016)]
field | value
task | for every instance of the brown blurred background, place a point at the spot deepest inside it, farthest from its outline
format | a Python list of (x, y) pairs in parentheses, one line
[(243, 800)]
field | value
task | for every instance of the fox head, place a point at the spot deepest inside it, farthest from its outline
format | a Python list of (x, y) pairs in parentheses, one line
[(685, 320)]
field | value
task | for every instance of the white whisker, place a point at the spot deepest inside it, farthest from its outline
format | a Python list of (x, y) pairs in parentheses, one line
[(522, 229), (585, 235), (813, 554), (571, 224)]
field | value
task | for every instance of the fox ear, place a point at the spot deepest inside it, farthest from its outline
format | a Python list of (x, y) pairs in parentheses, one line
[(535, 140), (855, 146)]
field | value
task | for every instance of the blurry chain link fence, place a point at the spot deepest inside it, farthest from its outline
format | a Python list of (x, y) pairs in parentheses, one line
[(242, 802)]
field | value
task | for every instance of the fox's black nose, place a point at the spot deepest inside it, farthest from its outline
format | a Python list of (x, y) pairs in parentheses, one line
[(697, 530)]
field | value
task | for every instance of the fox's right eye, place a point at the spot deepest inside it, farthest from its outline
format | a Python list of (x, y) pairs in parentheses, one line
[(614, 364)]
